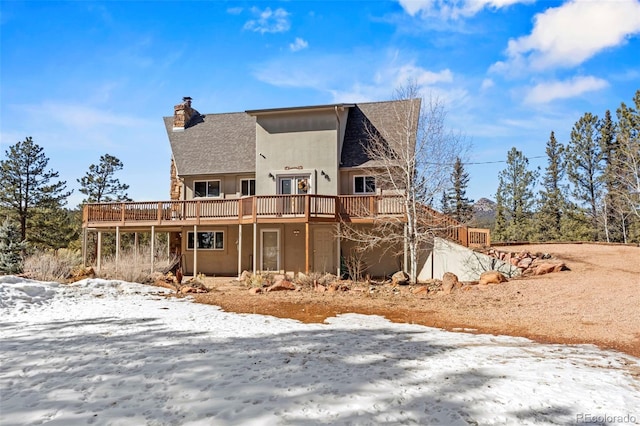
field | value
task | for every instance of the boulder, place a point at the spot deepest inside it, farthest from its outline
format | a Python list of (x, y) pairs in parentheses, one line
[(281, 285), (525, 262), (449, 282), (400, 278), (492, 277), (255, 290), (423, 289), (244, 276), (546, 268), (320, 288)]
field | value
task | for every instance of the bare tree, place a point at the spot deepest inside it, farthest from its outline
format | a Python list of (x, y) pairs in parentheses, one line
[(627, 170), (413, 159)]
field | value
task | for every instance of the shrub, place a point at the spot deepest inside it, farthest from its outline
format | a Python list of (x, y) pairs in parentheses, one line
[(52, 265)]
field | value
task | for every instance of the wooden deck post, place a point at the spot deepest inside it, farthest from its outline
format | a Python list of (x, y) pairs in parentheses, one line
[(135, 248), (306, 248), (153, 247), (117, 249), (405, 257), (99, 251), (338, 241), (239, 249), (255, 244), (84, 247), (195, 250)]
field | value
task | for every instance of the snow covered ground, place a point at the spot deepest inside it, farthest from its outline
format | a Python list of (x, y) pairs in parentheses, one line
[(108, 352)]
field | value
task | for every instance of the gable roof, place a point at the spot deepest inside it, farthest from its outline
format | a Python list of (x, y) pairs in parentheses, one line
[(214, 143), (226, 143), (380, 118)]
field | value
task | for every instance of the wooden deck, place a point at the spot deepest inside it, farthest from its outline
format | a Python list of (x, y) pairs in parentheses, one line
[(173, 215)]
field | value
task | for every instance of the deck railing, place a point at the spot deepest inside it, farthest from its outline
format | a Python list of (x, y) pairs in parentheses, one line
[(307, 207)]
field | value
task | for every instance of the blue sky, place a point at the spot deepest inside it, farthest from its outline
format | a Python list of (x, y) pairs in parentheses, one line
[(89, 78)]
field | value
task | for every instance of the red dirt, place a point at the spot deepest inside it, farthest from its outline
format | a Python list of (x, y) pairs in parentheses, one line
[(595, 302)]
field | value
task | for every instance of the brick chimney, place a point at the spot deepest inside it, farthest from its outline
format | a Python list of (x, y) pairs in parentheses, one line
[(182, 113)]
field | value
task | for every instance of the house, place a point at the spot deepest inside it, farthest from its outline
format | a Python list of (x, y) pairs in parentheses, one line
[(267, 190)]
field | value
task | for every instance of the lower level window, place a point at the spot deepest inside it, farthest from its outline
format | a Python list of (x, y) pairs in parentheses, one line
[(210, 240)]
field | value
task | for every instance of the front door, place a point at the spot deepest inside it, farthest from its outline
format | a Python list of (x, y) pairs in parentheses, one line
[(323, 253), (270, 254), (293, 185)]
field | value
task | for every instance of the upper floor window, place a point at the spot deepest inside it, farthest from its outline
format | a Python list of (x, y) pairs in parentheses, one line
[(364, 184), (247, 187), (206, 188), (207, 240)]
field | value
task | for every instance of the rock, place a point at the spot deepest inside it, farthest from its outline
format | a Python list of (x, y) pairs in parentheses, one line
[(466, 288), (449, 281), (524, 263), (187, 289), (179, 276), (244, 276), (400, 278), (514, 261), (255, 290), (492, 277), (81, 274), (320, 288), (423, 289), (279, 277), (546, 268), (281, 285)]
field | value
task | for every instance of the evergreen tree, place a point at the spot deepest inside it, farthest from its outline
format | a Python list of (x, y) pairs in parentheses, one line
[(584, 167), (459, 206), (99, 183), (444, 203), (552, 200), (612, 202), (26, 184), (515, 198), (58, 227), (11, 248)]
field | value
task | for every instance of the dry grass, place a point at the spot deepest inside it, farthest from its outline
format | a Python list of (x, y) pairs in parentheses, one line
[(52, 265), (134, 266)]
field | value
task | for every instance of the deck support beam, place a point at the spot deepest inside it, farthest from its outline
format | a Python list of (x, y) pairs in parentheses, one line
[(338, 254), (153, 247), (117, 249), (306, 248), (255, 247), (195, 250), (405, 257), (239, 250), (84, 247), (99, 251)]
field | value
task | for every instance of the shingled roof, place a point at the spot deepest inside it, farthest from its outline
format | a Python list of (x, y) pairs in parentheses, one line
[(380, 118), (225, 143), (214, 143)]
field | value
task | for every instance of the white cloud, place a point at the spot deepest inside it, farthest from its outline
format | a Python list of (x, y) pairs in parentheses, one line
[(298, 44), (234, 10), (421, 76), (453, 9), (268, 21), (487, 83), (549, 91), (568, 35)]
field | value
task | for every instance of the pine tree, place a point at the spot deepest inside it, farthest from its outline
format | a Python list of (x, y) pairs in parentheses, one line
[(584, 167), (58, 227), (552, 200), (459, 206), (99, 183), (515, 198), (613, 223), (11, 248), (26, 183)]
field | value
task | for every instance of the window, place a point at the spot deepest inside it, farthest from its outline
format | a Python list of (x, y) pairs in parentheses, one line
[(247, 187), (207, 240), (206, 188), (364, 184)]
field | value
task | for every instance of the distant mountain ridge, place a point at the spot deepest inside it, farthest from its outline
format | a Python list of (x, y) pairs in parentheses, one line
[(484, 213)]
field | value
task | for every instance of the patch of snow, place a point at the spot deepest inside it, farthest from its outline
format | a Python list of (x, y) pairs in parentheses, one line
[(110, 352)]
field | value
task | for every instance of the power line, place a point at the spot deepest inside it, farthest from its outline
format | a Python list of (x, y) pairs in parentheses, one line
[(479, 162)]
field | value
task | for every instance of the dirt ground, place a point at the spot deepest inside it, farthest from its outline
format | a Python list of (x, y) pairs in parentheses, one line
[(597, 301)]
